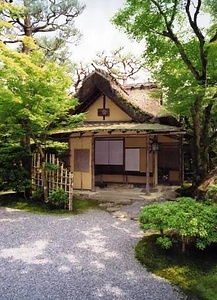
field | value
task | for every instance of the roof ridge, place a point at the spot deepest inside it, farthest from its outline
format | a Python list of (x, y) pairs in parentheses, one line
[(109, 76)]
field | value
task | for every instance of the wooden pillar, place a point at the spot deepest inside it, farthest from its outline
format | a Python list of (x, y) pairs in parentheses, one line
[(93, 164), (155, 168), (147, 166), (81, 143)]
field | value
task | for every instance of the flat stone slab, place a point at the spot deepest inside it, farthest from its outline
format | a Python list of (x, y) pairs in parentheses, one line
[(120, 214), (123, 202), (113, 209)]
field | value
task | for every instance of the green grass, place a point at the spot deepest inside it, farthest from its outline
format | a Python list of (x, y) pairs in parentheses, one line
[(16, 202), (194, 272)]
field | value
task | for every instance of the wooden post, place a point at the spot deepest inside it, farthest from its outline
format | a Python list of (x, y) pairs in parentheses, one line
[(92, 164), (147, 166), (70, 191), (156, 168)]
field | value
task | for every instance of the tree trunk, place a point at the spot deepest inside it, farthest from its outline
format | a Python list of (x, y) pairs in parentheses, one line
[(43, 173), (196, 139), (199, 146), (27, 162), (27, 32), (183, 244)]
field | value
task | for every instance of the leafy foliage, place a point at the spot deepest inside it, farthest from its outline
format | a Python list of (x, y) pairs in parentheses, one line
[(156, 216), (212, 191), (12, 174), (181, 51), (59, 198), (186, 219), (38, 18), (35, 98), (37, 195)]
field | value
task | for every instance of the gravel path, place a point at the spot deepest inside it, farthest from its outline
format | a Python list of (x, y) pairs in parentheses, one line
[(83, 257)]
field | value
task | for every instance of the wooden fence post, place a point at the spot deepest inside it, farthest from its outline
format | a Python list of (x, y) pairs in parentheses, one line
[(70, 191), (61, 178)]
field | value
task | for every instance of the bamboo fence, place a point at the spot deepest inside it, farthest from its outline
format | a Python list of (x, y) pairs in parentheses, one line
[(57, 176)]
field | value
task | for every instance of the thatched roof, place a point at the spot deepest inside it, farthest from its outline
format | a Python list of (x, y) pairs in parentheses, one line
[(146, 112), (145, 97), (139, 104)]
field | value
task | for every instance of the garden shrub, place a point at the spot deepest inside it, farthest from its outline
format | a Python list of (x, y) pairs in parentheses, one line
[(156, 216), (212, 192), (12, 174), (38, 195), (58, 198), (190, 221)]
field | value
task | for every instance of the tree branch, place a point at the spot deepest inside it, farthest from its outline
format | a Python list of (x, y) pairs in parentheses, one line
[(214, 38), (11, 42), (183, 54), (198, 33), (170, 34), (19, 22), (193, 22), (160, 11), (174, 12)]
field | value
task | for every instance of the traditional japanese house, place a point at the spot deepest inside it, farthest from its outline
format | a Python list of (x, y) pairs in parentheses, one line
[(128, 136)]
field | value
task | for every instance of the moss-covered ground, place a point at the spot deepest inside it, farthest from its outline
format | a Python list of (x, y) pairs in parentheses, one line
[(12, 200), (194, 272)]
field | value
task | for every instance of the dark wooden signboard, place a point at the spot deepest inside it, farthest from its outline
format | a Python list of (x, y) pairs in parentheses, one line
[(103, 112), (81, 160)]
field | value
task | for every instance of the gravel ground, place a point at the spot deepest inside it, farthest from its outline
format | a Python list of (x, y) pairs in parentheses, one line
[(83, 257)]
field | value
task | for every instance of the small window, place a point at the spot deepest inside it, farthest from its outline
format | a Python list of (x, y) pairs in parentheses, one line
[(132, 159), (109, 152)]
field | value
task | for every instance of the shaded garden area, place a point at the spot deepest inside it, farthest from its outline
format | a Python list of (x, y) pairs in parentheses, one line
[(12, 200), (195, 272), (180, 244)]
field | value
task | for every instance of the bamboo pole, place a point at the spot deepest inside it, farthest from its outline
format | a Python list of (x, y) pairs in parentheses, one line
[(61, 177), (57, 173), (66, 173), (70, 191)]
